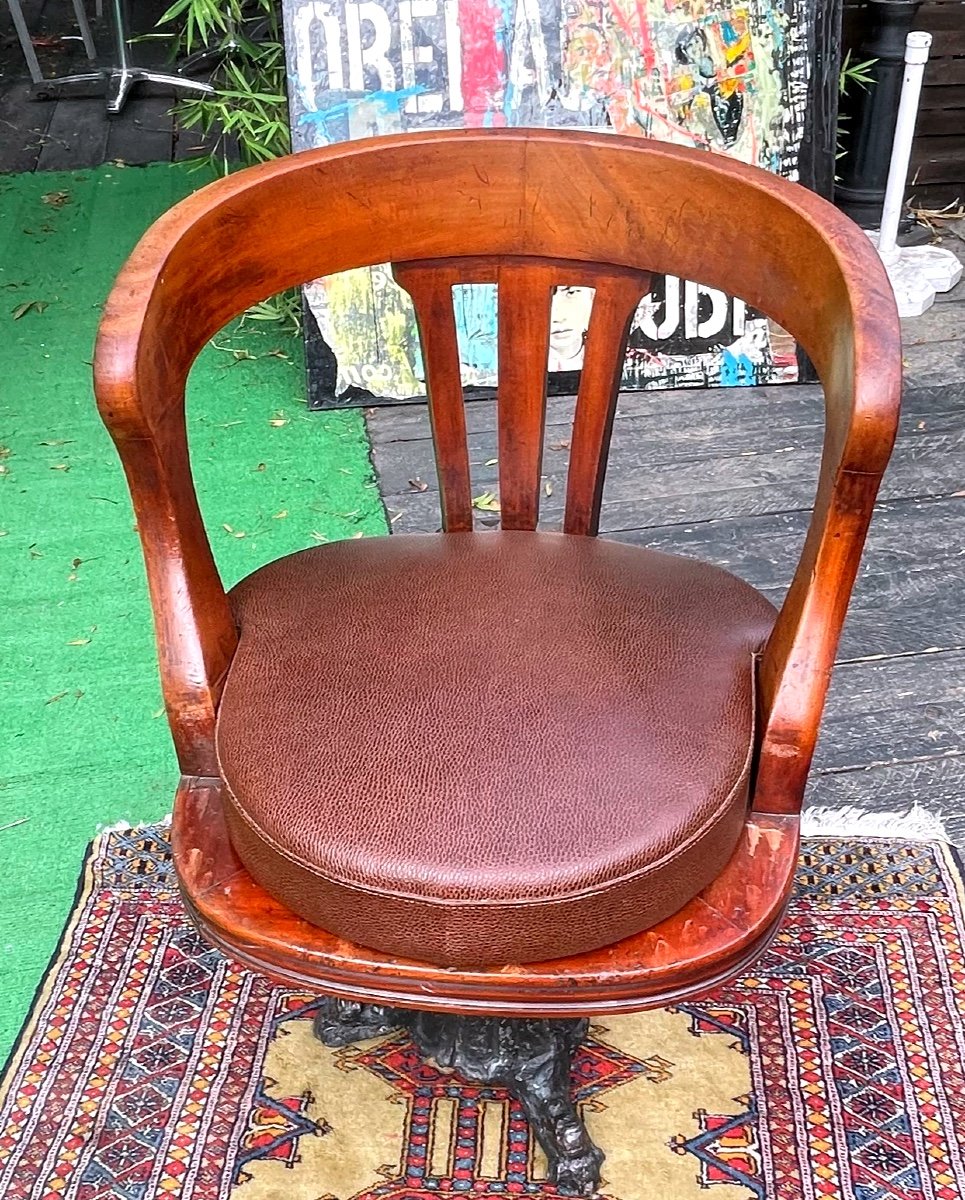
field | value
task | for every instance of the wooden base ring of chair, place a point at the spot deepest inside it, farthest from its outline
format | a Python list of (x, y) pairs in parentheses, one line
[(530, 1058), (714, 937), (514, 1026)]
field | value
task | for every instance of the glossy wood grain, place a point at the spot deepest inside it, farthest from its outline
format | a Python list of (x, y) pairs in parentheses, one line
[(524, 295), (614, 304), (717, 935), (430, 285), (544, 194), (528, 211), (524, 288)]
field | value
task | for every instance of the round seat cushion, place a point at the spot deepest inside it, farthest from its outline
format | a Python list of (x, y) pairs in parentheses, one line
[(489, 748)]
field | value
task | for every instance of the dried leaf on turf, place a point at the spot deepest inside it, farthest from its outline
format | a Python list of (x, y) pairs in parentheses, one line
[(21, 310)]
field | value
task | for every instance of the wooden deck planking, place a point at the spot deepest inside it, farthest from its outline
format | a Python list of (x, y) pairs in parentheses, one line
[(76, 136), (77, 133), (23, 126), (656, 480)]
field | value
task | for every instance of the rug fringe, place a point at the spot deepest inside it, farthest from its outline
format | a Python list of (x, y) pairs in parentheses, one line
[(128, 826), (916, 824)]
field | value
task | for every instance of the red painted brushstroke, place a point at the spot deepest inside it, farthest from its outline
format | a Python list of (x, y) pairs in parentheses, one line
[(483, 62)]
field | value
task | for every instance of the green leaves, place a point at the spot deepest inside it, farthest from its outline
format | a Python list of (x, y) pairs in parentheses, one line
[(859, 73), (201, 19), (286, 308), (487, 502), (249, 107)]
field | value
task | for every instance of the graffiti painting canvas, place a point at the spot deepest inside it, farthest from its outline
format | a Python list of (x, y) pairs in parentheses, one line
[(732, 77)]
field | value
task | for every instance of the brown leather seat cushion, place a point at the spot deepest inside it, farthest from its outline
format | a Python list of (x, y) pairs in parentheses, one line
[(485, 748)]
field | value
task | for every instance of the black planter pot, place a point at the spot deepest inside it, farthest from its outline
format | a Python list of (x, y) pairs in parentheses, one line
[(870, 112)]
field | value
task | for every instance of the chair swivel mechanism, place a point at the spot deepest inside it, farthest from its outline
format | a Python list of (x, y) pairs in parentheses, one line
[(484, 784)]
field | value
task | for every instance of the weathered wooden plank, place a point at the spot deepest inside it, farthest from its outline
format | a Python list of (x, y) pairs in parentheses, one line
[(941, 323), (889, 710), (409, 421), (948, 42), (910, 612), (23, 126), (940, 14), (905, 535), (640, 495), (913, 611), (935, 364), (936, 784), (643, 491), (938, 160), (76, 136), (943, 89), (702, 435), (946, 75), (939, 122), (713, 425), (143, 132), (936, 196)]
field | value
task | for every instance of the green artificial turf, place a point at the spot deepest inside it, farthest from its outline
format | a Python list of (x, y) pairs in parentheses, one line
[(83, 740)]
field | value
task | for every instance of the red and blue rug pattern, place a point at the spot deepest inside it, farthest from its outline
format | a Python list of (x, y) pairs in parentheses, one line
[(152, 1066)]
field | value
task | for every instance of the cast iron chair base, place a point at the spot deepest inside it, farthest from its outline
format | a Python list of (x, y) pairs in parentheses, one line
[(530, 1058)]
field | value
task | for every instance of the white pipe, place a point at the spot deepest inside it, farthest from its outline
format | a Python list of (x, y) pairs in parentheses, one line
[(917, 45)]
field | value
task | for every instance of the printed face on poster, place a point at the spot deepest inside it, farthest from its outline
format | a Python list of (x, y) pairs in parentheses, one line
[(728, 77)]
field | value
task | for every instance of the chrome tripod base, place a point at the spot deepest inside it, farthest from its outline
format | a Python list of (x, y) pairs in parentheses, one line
[(119, 81)]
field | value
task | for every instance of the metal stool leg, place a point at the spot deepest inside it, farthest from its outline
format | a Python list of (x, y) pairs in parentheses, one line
[(80, 14), (122, 77), (23, 36)]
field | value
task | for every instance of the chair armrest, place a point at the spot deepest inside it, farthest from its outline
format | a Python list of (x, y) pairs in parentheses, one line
[(862, 383), (196, 635)]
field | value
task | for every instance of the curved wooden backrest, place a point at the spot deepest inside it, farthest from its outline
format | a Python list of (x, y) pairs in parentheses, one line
[(524, 206)]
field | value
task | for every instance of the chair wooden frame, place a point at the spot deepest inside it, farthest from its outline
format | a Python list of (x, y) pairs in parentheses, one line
[(528, 210)]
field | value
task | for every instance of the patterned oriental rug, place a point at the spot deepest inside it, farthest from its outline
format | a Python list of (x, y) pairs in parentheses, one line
[(153, 1067)]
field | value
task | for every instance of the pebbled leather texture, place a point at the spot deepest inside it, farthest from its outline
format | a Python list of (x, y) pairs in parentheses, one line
[(489, 748)]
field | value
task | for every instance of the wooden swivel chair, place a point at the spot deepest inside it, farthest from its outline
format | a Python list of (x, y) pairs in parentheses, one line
[(619, 830)]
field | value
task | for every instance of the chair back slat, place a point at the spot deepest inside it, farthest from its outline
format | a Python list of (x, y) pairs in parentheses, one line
[(525, 292), (525, 289), (616, 298), (430, 286)]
